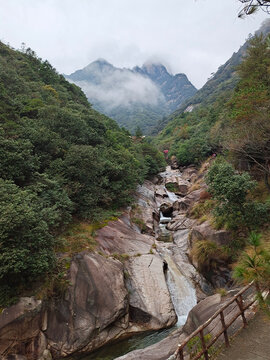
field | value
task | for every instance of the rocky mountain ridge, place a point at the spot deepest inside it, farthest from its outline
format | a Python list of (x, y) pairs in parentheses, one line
[(137, 97)]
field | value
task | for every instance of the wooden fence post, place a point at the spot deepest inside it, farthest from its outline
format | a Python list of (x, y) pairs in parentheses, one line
[(227, 343), (181, 353), (204, 348), (241, 307)]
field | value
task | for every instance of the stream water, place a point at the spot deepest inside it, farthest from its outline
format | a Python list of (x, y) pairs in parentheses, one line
[(140, 341), (182, 293)]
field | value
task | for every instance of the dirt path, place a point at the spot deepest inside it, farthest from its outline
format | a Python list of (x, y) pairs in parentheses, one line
[(252, 343)]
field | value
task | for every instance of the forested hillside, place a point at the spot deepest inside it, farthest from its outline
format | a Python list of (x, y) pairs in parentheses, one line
[(232, 118), (59, 159), (220, 83)]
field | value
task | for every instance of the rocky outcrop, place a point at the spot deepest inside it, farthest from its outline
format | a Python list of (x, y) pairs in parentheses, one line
[(93, 311), (108, 299), (121, 237), (150, 301), (190, 174), (96, 299), (21, 329), (174, 163), (206, 232), (147, 210)]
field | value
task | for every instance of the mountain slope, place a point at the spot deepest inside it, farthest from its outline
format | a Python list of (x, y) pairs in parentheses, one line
[(195, 130), (59, 159), (134, 98), (225, 79)]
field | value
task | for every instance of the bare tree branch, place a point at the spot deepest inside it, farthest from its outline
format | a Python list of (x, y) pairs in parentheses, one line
[(252, 6)]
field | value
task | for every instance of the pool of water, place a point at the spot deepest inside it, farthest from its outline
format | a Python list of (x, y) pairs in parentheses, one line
[(116, 349)]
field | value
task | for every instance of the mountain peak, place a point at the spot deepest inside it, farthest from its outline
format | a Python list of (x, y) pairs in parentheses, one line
[(154, 68), (102, 61), (137, 97)]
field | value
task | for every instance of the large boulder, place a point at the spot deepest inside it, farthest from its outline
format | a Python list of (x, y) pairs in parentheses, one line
[(147, 212), (205, 231), (177, 185), (174, 163), (161, 193), (189, 174), (201, 313), (120, 237), (180, 222), (150, 302), (94, 309), (20, 329), (205, 309)]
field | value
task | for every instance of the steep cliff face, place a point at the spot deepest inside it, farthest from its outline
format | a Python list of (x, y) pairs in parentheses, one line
[(137, 97), (175, 88)]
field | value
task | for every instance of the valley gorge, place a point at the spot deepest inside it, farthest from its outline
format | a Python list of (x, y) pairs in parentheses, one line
[(134, 282), (94, 266)]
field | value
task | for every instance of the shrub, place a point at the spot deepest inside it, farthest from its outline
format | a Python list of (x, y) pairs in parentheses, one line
[(207, 254), (230, 190), (202, 208)]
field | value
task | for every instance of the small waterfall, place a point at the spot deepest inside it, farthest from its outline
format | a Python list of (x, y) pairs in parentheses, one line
[(164, 219), (171, 195), (182, 292)]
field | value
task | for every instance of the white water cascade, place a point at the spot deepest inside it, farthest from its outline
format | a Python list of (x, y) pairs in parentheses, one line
[(182, 291), (171, 195)]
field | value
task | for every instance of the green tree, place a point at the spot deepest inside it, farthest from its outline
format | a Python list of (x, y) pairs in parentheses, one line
[(138, 132), (254, 265), (230, 190), (248, 129)]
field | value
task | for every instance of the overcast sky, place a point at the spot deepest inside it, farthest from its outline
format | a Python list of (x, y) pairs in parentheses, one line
[(189, 36)]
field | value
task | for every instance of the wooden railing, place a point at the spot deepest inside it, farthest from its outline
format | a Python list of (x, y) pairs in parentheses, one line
[(204, 345)]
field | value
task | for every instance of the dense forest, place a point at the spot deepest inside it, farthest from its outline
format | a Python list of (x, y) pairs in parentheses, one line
[(60, 160)]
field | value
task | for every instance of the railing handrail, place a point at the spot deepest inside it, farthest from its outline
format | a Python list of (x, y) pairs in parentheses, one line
[(200, 329)]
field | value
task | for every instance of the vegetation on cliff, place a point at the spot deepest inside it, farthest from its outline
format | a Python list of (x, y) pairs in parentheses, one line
[(233, 123), (229, 113), (59, 159)]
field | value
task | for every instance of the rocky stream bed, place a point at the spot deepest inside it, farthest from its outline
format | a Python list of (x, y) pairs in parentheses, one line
[(136, 290)]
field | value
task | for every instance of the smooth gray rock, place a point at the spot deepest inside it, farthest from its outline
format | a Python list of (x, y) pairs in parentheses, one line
[(206, 232), (96, 299), (149, 298)]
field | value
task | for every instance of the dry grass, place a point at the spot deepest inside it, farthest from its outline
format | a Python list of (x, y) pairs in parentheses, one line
[(78, 237), (194, 187), (205, 166), (121, 257), (203, 219), (207, 253), (266, 235), (260, 193), (202, 208), (221, 291)]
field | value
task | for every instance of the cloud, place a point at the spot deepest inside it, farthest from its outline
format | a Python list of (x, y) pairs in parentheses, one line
[(194, 37), (121, 88)]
